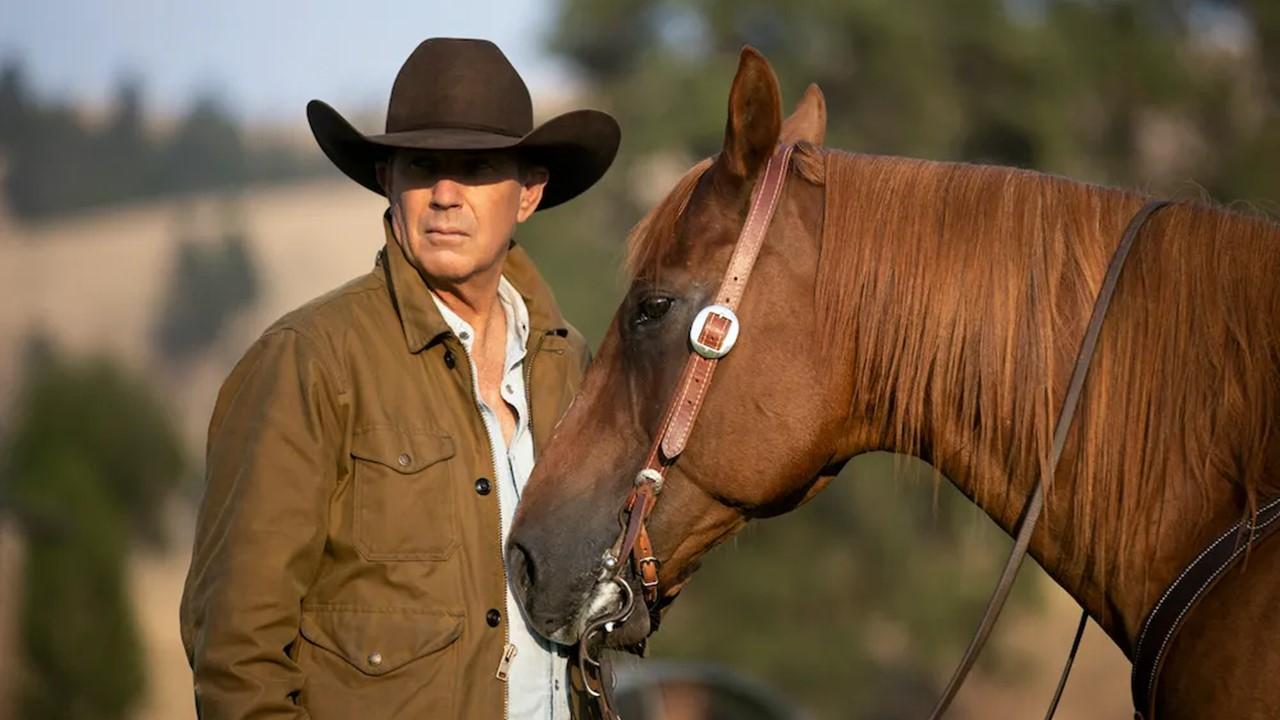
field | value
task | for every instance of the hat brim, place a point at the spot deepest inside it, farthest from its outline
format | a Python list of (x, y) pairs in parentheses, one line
[(576, 148)]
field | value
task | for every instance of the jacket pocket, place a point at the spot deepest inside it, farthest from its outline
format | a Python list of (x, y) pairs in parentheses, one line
[(378, 664), (404, 497)]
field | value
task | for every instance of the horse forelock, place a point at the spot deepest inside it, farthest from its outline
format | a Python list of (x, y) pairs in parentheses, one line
[(957, 294)]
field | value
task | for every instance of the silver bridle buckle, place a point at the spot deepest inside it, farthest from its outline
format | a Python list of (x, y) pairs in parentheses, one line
[(649, 475), (700, 321)]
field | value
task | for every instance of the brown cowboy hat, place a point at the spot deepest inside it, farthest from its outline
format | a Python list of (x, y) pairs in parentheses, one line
[(454, 94)]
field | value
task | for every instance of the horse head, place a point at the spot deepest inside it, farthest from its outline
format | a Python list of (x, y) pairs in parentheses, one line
[(771, 426)]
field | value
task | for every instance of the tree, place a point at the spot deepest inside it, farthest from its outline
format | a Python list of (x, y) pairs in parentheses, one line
[(214, 278), (89, 459), (206, 151), (56, 162)]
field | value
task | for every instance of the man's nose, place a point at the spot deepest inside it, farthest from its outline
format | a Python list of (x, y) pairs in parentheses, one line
[(446, 194)]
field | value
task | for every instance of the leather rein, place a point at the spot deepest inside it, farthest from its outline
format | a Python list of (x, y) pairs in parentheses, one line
[(712, 335)]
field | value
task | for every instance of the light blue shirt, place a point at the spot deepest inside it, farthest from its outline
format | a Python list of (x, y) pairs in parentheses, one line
[(536, 685)]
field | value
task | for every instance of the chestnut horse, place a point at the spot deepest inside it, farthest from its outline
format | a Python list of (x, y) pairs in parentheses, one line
[(934, 309)]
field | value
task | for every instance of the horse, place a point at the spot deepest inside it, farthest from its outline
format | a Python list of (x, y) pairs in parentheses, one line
[(934, 309)]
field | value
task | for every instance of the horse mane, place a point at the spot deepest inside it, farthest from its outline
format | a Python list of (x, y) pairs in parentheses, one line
[(966, 289)]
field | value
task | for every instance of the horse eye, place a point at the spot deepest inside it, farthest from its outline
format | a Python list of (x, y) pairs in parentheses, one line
[(653, 308)]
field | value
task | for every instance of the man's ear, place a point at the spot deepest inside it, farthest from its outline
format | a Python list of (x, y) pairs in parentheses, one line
[(382, 169), (532, 182)]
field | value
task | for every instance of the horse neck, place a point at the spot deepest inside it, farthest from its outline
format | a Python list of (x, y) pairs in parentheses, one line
[(971, 289)]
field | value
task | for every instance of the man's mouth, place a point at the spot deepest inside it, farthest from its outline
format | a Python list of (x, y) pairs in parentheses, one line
[(448, 233)]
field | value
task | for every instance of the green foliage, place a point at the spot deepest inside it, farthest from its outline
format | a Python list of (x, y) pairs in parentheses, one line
[(579, 250), (113, 423), (56, 162), (210, 282), (82, 651), (88, 462)]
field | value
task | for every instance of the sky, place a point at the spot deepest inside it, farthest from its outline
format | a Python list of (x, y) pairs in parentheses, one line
[(264, 58)]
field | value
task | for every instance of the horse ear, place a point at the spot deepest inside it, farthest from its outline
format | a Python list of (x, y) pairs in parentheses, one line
[(755, 116), (808, 122)]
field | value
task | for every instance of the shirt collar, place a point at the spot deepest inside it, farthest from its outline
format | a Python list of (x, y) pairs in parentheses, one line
[(513, 307), (420, 318)]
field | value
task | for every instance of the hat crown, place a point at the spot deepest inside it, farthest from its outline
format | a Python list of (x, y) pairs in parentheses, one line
[(459, 83)]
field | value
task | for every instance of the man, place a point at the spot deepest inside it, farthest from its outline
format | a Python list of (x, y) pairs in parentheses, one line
[(366, 455)]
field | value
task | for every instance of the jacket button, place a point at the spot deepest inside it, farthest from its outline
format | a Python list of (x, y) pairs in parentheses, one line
[(403, 459), (375, 659), (482, 486), (493, 617), (449, 360)]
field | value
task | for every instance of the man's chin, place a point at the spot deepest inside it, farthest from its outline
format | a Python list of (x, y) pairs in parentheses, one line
[(451, 264), (445, 269)]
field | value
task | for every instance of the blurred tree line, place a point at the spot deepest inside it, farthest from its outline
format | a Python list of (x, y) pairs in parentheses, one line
[(85, 467), (55, 161), (214, 278), (857, 604)]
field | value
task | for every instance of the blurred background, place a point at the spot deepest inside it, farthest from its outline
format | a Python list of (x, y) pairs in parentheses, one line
[(161, 201)]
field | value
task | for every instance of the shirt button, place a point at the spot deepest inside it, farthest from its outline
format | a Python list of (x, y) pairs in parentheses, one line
[(482, 486), (404, 459), (375, 659), (493, 617), (464, 335), (510, 389), (449, 360)]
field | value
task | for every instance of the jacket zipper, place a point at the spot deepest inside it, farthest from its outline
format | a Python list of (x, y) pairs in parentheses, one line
[(508, 650), (504, 665), (530, 354)]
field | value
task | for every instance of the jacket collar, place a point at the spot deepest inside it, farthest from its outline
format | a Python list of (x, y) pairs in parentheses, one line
[(421, 319)]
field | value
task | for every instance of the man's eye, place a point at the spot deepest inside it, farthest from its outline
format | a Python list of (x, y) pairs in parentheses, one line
[(653, 308)]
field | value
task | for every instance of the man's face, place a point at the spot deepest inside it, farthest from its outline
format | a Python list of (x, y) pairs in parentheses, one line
[(455, 211)]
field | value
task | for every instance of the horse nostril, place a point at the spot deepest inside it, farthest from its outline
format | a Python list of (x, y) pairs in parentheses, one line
[(522, 568)]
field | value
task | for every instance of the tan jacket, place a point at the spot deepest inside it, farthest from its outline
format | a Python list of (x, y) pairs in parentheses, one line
[(348, 545)]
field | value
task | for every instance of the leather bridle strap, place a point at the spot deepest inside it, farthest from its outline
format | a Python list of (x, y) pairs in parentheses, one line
[(1035, 504), (714, 332), (711, 341), (1166, 617)]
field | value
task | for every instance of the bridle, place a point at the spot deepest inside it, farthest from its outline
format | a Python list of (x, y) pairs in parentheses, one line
[(712, 335)]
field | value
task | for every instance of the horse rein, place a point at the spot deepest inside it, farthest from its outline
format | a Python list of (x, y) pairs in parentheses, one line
[(1035, 503), (712, 335), (1167, 616)]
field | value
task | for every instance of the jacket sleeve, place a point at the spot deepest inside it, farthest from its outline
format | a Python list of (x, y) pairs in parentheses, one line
[(273, 452)]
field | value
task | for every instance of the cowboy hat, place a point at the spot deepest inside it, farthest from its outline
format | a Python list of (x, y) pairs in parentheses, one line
[(455, 94)]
